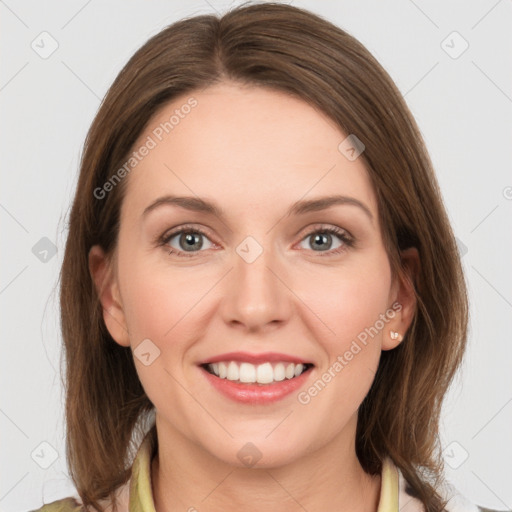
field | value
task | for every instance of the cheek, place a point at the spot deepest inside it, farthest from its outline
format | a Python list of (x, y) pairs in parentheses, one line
[(162, 303), (351, 305), (161, 306), (348, 302)]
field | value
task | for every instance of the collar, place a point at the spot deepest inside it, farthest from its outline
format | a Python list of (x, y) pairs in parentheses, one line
[(141, 494)]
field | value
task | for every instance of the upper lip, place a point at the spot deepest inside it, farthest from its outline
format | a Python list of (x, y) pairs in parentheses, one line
[(255, 358)]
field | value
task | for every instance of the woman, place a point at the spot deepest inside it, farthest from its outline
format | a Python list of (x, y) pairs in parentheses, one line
[(197, 313)]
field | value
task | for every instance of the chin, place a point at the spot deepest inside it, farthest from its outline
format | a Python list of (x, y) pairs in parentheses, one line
[(257, 453)]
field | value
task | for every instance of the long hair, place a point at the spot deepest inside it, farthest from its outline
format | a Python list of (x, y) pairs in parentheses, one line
[(288, 49)]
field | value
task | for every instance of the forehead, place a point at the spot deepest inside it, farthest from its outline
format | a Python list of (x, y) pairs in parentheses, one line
[(249, 147)]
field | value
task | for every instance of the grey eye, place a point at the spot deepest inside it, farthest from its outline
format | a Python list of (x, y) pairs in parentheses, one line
[(188, 241)]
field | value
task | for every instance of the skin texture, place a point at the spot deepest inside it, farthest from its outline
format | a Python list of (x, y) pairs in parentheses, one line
[(254, 152)]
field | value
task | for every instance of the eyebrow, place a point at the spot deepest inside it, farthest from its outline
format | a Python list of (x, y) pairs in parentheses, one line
[(302, 207)]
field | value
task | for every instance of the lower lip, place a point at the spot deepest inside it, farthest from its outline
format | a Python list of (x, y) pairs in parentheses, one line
[(256, 393)]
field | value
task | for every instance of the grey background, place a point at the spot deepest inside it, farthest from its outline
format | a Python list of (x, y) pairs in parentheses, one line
[(463, 106)]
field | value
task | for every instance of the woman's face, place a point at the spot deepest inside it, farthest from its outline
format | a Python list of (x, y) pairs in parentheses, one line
[(260, 276)]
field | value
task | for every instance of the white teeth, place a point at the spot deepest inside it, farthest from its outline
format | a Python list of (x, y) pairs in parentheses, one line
[(223, 370), (279, 373), (233, 372), (265, 373), (247, 373)]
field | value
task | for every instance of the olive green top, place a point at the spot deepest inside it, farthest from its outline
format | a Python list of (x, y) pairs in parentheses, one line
[(136, 494)]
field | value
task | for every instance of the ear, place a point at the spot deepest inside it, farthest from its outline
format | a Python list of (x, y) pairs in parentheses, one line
[(105, 281), (404, 295)]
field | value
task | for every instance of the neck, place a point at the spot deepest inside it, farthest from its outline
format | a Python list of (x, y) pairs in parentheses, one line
[(185, 478)]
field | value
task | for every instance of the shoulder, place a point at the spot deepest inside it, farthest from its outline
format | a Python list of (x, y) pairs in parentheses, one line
[(456, 501), (69, 504), (74, 503)]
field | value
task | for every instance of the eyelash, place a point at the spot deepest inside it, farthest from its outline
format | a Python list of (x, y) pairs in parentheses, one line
[(348, 241)]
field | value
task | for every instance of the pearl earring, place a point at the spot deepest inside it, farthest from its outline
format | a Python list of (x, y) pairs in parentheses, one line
[(396, 336)]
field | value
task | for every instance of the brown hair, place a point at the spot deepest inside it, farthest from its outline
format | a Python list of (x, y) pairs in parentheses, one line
[(292, 50)]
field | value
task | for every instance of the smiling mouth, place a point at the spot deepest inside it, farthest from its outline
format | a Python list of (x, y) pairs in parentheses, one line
[(263, 374)]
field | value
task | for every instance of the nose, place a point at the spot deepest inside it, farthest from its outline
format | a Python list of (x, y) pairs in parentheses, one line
[(256, 295)]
